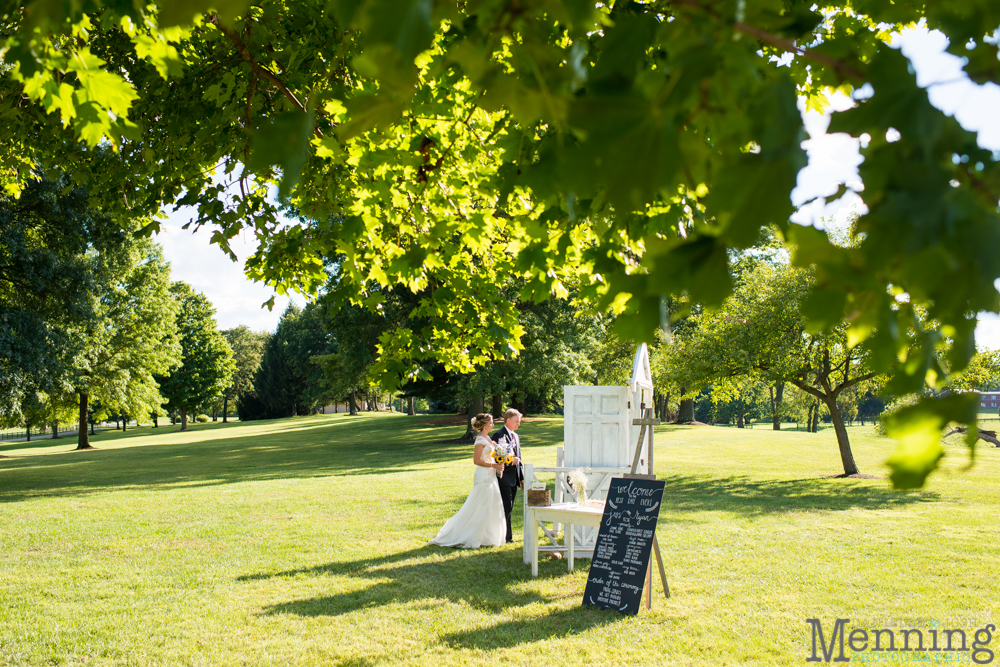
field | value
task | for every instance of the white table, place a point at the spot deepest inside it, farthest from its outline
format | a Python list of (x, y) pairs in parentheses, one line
[(569, 514)]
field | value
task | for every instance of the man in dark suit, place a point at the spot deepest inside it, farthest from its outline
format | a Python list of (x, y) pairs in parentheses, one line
[(513, 475)]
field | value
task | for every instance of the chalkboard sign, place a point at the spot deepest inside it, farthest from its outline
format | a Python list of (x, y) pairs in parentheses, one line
[(624, 545)]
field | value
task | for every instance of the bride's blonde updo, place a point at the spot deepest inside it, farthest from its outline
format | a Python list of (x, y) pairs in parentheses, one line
[(481, 420)]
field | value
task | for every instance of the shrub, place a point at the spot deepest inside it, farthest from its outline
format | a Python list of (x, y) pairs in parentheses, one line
[(201, 419), (891, 408)]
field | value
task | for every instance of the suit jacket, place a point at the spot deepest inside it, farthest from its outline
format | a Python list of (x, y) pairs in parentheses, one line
[(512, 475)]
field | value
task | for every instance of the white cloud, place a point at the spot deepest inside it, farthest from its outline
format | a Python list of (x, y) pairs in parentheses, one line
[(196, 261)]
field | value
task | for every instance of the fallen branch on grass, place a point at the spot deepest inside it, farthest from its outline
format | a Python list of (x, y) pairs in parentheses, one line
[(987, 436)]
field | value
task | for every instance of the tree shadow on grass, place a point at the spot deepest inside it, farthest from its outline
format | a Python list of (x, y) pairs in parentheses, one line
[(347, 446), (557, 623), (481, 578), (744, 495), (217, 454), (484, 579), (36, 443)]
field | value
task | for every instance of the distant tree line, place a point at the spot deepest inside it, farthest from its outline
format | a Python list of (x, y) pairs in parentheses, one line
[(325, 352), (91, 327)]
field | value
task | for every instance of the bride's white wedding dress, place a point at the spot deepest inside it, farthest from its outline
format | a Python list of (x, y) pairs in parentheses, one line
[(481, 521)]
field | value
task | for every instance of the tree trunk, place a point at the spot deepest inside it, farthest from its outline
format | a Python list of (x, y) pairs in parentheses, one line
[(664, 403), (686, 411), (409, 406), (155, 422), (295, 408), (846, 457), (82, 439), (497, 406), (777, 392), (55, 429), (29, 434), (814, 427), (124, 423), (184, 419), (475, 408), (353, 400), (739, 420), (225, 408)]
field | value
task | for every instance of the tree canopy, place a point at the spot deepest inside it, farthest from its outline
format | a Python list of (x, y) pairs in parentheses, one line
[(759, 337), (131, 338), (205, 362), (84, 307), (619, 149), (248, 348), (50, 239)]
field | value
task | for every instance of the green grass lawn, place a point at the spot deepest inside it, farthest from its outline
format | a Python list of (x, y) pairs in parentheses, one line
[(304, 541)]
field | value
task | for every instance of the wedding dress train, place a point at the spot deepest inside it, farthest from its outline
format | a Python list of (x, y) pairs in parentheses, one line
[(481, 521)]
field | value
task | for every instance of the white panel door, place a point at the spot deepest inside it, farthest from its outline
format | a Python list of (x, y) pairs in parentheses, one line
[(595, 433), (596, 426)]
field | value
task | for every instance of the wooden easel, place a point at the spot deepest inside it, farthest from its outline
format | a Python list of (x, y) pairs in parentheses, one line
[(649, 421)]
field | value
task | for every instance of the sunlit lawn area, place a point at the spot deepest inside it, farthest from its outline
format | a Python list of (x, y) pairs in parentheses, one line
[(304, 541)]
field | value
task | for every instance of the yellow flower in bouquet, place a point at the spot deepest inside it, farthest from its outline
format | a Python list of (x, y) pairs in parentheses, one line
[(498, 456), (502, 455)]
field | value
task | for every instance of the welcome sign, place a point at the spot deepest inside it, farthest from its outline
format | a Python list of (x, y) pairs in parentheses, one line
[(624, 545)]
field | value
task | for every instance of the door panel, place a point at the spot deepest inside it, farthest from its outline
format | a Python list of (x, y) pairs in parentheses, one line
[(596, 438)]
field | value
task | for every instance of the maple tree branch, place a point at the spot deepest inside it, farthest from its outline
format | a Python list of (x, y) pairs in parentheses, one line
[(850, 383), (781, 42), (977, 184), (801, 384), (259, 69), (424, 169), (789, 45)]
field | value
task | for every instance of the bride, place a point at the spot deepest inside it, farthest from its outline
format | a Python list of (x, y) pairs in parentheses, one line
[(481, 520)]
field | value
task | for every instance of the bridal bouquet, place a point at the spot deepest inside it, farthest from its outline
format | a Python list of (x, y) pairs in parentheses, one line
[(503, 453)]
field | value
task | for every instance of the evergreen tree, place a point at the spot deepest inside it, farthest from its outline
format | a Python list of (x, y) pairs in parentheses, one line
[(290, 381), (276, 384), (306, 341)]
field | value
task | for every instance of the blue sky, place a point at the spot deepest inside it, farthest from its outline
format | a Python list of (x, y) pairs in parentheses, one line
[(833, 159)]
